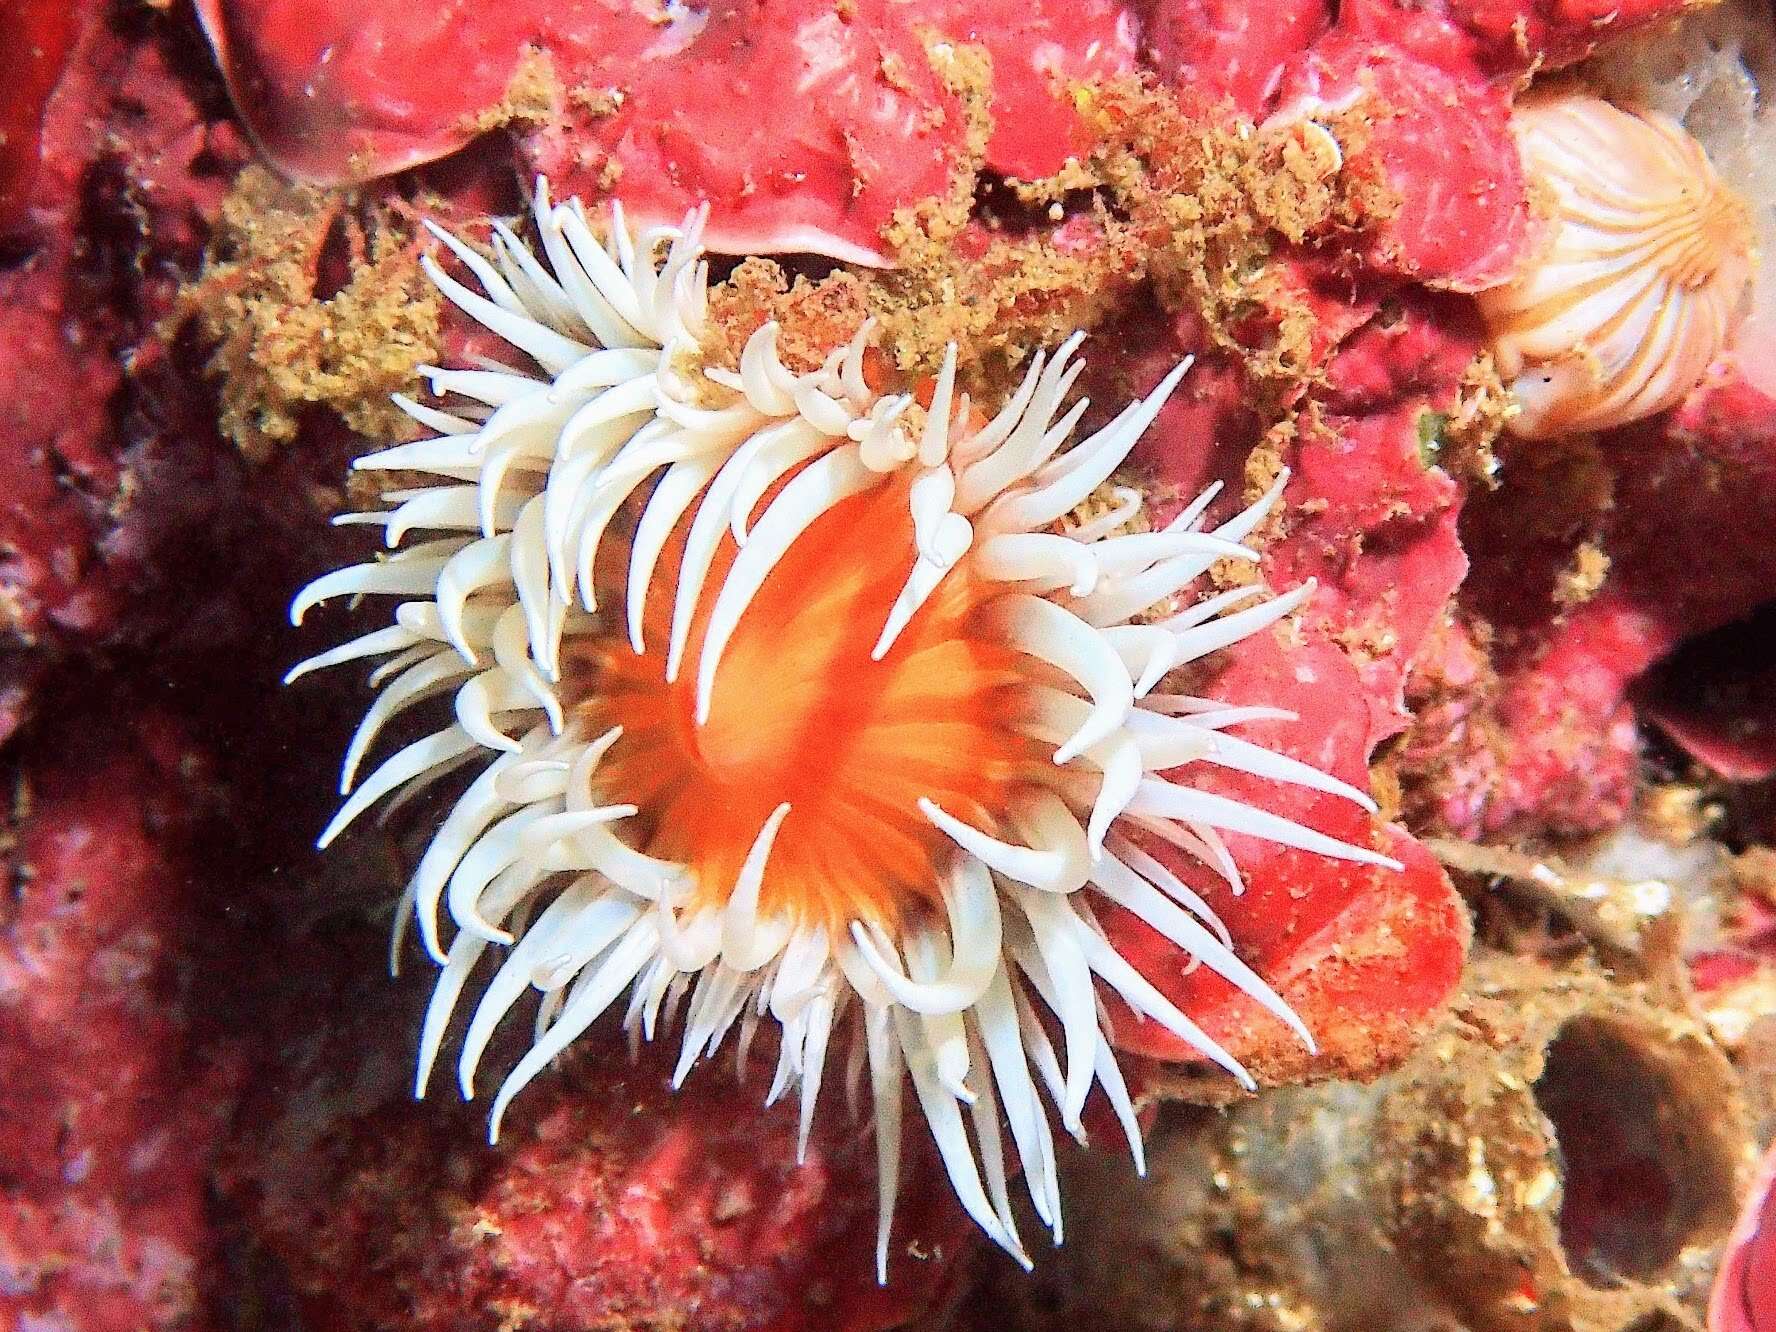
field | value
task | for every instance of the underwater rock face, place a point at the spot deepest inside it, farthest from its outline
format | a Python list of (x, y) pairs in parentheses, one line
[(203, 1067), (118, 1092), (1505, 39), (615, 1198), (1563, 1154), (846, 117), (1550, 741)]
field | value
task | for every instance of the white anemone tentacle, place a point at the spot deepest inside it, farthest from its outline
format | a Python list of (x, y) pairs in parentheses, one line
[(987, 992)]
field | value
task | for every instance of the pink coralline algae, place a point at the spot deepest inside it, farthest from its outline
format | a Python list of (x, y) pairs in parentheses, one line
[(1744, 1298), (806, 125), (1225, 48), (1504, 39), (1555, 741), (1444, 142), (1361, 955), (112, 480), (116, 1098), (615, 1197)]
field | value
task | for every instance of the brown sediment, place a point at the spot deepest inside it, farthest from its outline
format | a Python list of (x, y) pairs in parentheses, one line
[(1629, 919), (1582, 577), (1179, 196), (284, 344), (1016, 293), (1562, 1155), (1214, 198), (1182, 196), (814, 316), (995, 295), (1103, 501), (533, 96), (1470, 429)]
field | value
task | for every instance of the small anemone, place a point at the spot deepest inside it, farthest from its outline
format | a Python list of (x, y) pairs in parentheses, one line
[(793, 703), (1643, 275)]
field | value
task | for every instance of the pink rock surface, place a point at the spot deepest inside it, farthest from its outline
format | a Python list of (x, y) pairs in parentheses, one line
[(1562, 740), (1502, 38), (1443, 140), (1744, 1297), (804, 124), (1363, 955), (1716, 698), (336, 92), (114, 1103), (610, 1198), (1229, 48), (130, 167), (1040, 52)]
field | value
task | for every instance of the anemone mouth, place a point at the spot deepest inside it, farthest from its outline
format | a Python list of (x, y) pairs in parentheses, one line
[(795, 702), (802, 715)]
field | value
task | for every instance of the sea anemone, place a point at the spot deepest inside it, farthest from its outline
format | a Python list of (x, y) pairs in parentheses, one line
[(794, 703), (1643, 273)]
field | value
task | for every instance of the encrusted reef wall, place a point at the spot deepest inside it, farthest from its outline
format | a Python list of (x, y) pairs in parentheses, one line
[(1546, 1052), (1565, 1153)]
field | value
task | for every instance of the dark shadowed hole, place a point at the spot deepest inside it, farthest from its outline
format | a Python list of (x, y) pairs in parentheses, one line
[(333, 266), (998, 206), (16, 250), (1715, 697), (1642, 1176)]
